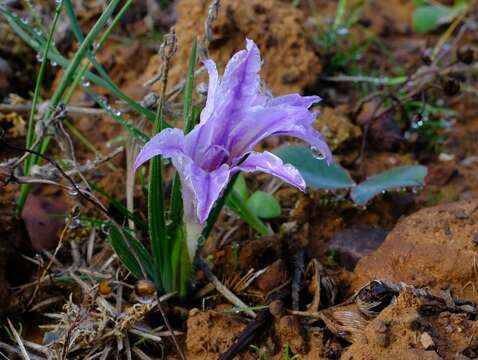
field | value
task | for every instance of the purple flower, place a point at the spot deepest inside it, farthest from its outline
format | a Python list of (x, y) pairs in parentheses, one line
[(237, 116)]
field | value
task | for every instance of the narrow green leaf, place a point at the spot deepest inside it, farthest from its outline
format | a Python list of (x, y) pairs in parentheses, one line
[(121, 208), (37, 42), (41, 74), (264, 205), (240, 187), (181, 265), (160, 244), (241, 208), (394, 179), (317, 173), (189, 120), (60, 90), (124, 244), (132, 129)]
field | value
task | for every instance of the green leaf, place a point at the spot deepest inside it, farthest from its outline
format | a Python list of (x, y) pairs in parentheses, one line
[(123, 210), (240, 207), (264, 205), (317, 173), (397, 178), (240, 187), (161, 247), (131, 252), (429, 17), (37, 42), (181, 265)]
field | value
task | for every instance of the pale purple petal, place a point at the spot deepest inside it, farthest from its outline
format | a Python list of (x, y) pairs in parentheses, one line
[(271, 164), (211, 89), (200, 188), (241, 81), (262, 122), (233, 96), (168, 143), (295, 100)]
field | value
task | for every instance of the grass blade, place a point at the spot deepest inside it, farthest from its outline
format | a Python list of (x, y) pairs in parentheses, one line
[(237, 204), (160, 246), (57, 95)]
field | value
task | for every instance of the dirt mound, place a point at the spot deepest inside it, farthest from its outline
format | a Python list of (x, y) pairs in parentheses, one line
[(211, 333), (403, 331), (290, 63), (433, 247)]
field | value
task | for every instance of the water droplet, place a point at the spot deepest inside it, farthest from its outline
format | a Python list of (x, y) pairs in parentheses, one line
[(144, 291), (117, 112), (24, 20), (54, 63), (105, 229), (384, 191), (39, 58), (317, 154), (73, 192), (342, 31), (360, 207), (85, 82)]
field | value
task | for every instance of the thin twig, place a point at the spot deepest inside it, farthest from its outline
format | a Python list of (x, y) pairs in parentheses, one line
[(223, 290)]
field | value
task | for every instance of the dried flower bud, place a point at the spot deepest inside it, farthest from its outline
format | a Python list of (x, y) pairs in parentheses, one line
[(104, 287), (144, 291), (426, 57), (465, 54), (451, 86)]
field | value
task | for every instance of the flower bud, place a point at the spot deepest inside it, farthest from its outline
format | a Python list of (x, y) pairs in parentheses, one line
[(466, 55), (451, 86)]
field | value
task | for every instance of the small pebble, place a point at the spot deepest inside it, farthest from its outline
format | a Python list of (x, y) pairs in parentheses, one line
[(426, 341), (461, 215)]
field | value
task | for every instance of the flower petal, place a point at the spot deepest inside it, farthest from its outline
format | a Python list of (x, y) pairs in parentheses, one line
[(226, 105), (262, 122), (168, 143), (211, 89), (295, 100), (200, 189), (240, 84), (271, 164)]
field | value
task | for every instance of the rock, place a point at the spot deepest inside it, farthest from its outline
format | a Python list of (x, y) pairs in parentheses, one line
[(433, 247), (290, 63), (427, 341), (350, 245), (210, 334), (409, 334), (42, 221)]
